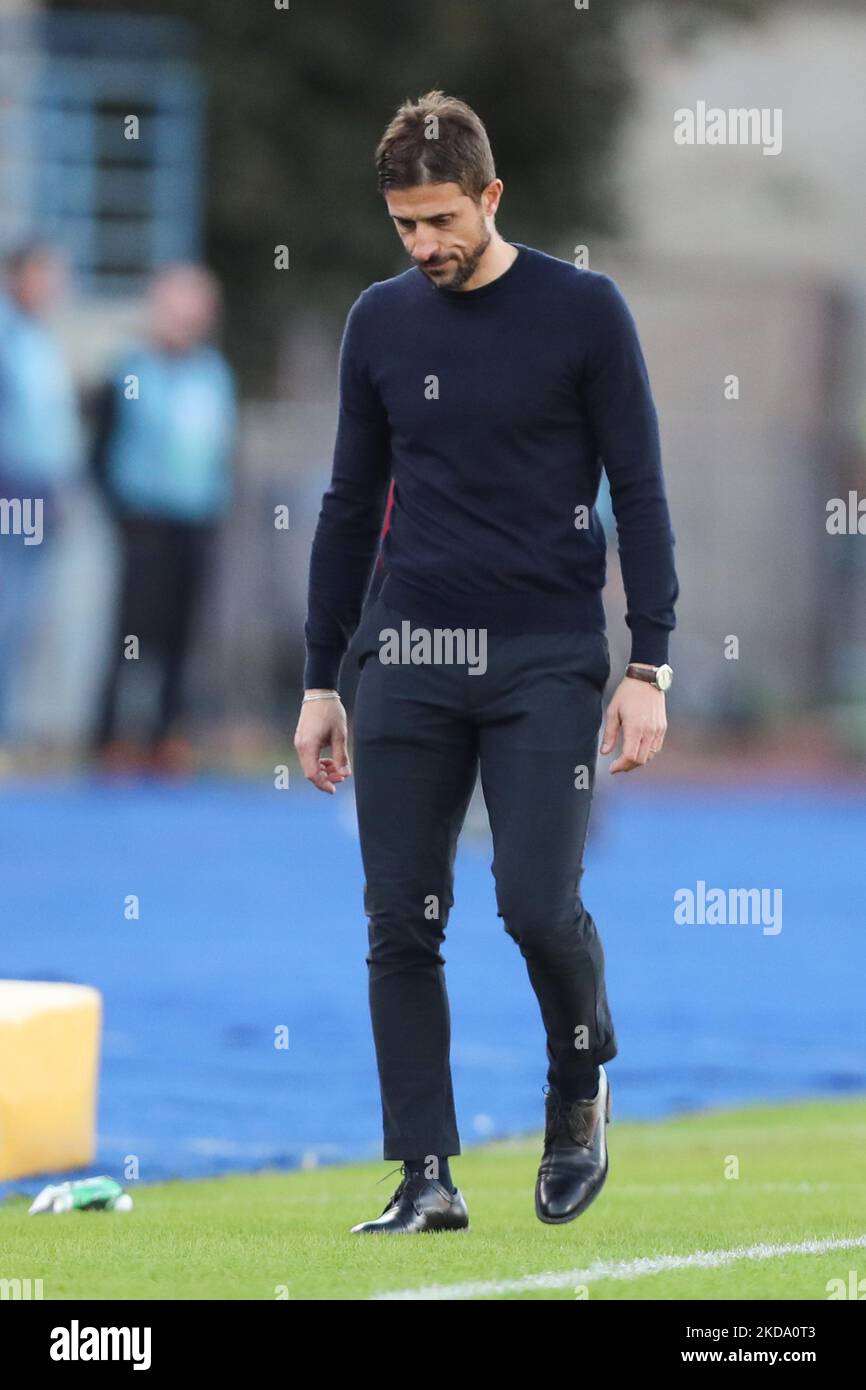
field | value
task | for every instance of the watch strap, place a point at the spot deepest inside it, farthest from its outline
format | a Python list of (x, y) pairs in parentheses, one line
[(642, 673)]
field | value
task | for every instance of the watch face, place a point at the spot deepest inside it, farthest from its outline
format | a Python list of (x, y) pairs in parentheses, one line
[(664, 677)]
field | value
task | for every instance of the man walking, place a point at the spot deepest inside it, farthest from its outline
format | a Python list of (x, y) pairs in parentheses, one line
[(492, 381)]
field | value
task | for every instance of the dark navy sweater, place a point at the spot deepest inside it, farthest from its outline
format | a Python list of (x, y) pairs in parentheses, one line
[(494, 409)]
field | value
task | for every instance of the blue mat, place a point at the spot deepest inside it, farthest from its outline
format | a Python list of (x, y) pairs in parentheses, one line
[(251, 920)]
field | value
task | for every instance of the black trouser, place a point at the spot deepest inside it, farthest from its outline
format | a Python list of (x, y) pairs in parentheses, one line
[(420, 732), (164, 564)]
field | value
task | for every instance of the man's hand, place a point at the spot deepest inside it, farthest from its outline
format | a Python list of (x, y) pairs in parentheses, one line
[(322, 724), (638, 710)]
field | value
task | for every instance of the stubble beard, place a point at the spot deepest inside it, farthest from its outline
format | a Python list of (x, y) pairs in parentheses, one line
[(465, 268)]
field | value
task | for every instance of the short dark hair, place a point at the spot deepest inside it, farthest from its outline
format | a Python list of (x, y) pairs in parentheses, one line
[(436, 139)]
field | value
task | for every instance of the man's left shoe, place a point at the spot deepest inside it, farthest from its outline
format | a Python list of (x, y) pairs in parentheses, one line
[(574, 1163)]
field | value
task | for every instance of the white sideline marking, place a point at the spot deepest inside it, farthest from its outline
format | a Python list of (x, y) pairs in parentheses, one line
[(619, 1269), (710, 1189)]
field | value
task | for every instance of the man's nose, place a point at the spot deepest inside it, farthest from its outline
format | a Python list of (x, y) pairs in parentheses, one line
[(425, 250)]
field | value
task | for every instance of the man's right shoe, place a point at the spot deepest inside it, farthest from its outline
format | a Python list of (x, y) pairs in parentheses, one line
[(419, 1205)]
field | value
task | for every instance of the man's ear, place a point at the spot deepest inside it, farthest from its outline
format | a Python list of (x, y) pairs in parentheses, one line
[(491, 197)]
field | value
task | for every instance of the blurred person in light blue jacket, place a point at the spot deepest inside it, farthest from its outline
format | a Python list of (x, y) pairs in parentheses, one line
[(162, 456), (40, 448)]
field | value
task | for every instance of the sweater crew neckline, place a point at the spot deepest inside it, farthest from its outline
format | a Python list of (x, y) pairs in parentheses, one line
[(508, 277)]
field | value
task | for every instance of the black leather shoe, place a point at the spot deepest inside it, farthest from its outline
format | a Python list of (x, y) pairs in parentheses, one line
[(419, 1204), (574, 1163)]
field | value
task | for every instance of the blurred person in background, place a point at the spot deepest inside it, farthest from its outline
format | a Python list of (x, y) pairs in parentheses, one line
[(162, 457), (40, 449)]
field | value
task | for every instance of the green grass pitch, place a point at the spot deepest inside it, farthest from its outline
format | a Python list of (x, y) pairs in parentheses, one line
[(802, 1177)]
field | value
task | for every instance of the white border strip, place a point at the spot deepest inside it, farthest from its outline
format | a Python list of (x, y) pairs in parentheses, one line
[(618, 1269)]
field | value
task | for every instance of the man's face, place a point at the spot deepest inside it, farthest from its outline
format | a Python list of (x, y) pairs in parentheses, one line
[(444, 230), (183, 309)]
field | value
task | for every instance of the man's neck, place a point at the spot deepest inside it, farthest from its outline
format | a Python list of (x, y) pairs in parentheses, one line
[(495, 261)]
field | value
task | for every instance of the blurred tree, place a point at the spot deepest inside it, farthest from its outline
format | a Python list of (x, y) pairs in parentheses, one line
[(299, 97)]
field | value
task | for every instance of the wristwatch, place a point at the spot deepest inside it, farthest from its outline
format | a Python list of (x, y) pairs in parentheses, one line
[(659, 676)]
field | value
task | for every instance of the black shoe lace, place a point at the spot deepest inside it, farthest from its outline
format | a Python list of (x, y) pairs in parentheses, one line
[(558, 1117), (409, 1184)]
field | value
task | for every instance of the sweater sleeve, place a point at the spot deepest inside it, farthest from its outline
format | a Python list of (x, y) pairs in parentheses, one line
[(625, 425), (350, 520)]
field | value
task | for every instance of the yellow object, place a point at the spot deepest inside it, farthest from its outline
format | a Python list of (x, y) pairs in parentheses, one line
[(49, 1070)]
